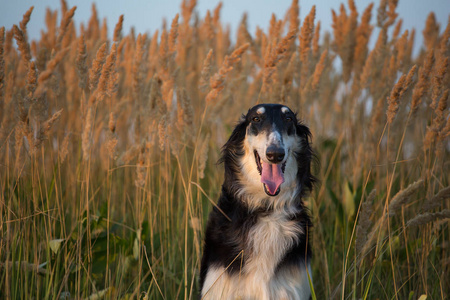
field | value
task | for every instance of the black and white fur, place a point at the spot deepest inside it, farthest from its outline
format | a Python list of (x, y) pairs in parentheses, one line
[(256, 241)]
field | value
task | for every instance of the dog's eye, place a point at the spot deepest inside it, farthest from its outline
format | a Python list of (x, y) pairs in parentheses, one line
[(256, 119), (288, 119)]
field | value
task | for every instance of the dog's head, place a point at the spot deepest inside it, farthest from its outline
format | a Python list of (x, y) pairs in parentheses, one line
[(268, 156)]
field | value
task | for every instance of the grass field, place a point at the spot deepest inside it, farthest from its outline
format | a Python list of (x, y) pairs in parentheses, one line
[(108, 150)]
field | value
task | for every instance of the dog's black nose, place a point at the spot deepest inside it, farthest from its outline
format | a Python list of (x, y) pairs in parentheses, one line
[(275, 154)]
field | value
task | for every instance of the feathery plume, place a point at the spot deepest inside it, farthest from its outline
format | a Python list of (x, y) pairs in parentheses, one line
[(428, 217), (22, 44), (431, 32), (86, 135), (93, 28), (104, 30), (64, 150), (401, 47), (118, 30), (364, 221), (187, 8), (315, 40), (203, 156), (206, 72), (305, 37), (294, 20), (162, 132), (274, 55), (50, 68), (434, 131), (2, 68), (423, 82), (403, 196), (217, 82), (318, 71), (82, 68), (185, 109), (105, 77), (173, 36), (137, 70), (394, 99), (391, 14), (397, 30), (49, 123), (397, 92), (372, 64), (444, 44), (31, 80), (140, 169), (437, 200), (438, 80), (381, 13), (24, 22), (96, 68), (363, 32), (348, 47), (65, 21), (216, 14)]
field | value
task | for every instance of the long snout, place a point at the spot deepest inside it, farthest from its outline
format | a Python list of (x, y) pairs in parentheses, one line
[(275, 154)]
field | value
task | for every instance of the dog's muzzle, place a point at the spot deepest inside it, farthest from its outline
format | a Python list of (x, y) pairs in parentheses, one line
[(272, 172)]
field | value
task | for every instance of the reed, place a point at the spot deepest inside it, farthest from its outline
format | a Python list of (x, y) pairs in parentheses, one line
[(108, 148)]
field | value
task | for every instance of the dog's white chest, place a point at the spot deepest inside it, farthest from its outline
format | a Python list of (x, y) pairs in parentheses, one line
[(269, 239)]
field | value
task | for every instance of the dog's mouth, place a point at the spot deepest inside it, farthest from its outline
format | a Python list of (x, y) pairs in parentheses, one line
[(272, 175)]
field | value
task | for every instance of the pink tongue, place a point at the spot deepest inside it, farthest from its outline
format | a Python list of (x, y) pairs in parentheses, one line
[(272, 176)]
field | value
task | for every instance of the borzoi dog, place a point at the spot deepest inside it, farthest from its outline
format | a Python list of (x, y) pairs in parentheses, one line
[(256, 242)]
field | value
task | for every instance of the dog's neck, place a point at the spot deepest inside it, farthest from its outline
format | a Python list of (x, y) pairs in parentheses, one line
[(288, 201)]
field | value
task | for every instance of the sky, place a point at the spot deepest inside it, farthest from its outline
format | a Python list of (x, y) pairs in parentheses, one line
[(147, 15)]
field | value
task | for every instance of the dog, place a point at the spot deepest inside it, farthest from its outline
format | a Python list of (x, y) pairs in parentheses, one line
[(256, 242)]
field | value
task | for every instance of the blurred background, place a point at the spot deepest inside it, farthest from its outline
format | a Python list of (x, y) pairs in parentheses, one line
[(146, 15)]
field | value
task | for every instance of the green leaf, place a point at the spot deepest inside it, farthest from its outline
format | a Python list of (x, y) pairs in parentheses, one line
[(55, 245), (423, 297), (311, 287), (348, 201), (340, 208), (136, 249)]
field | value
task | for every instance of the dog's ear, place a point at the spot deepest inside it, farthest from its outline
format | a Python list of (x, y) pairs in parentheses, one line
[(238, 134), (305, 157), (231, 149)]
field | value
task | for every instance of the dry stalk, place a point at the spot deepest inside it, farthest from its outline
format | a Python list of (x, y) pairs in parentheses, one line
[(437, 200), (65, 21), (81, 64), (206, 73), (274, 56), (118, 30), (24, 22), (173, 36), (438, 78), (403, 196), (423, 82), (431, 32), (64, 150), (96, 68), (305, 39), (2, 69), (105, 77), (217, 82), (318, 71), (22, 44), (428, 217), (364, 221)]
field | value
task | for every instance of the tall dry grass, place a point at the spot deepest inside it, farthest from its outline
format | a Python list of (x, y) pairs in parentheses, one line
[(108, 149)]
